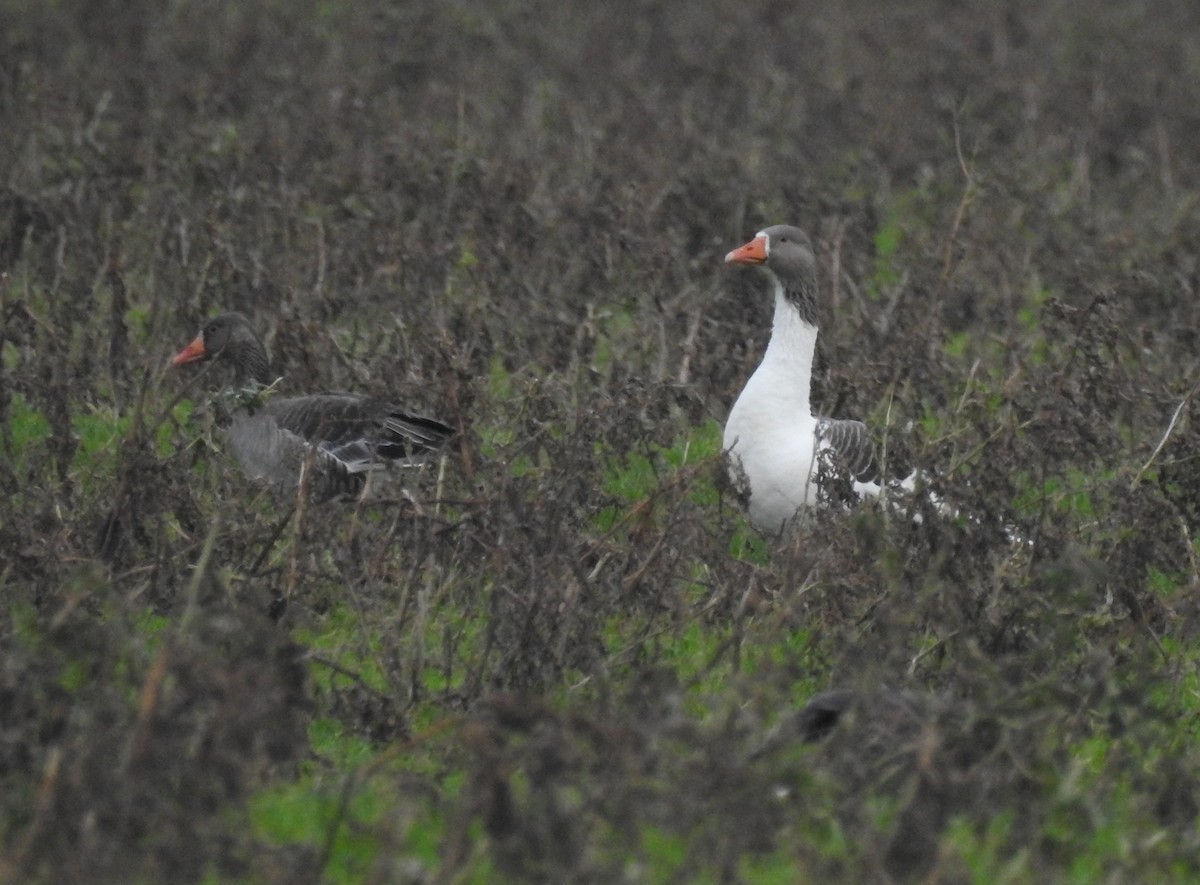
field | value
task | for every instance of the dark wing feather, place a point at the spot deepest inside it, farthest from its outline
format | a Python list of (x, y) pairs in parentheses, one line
[(357, 426), (334, 417), (425, 434), (819, 716), (851, 447)]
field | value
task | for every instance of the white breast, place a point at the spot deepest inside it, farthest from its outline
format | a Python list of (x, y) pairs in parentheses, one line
[(771, 431), (771, 449)]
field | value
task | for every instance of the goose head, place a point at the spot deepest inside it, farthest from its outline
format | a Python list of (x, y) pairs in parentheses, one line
[(786, 253), (228, 336)]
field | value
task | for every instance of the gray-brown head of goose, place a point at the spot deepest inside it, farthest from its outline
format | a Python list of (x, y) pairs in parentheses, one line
[(344, 436), (229, 336)]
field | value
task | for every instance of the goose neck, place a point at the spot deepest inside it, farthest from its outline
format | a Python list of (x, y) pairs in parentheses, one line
[(793, 345), (250, 364)]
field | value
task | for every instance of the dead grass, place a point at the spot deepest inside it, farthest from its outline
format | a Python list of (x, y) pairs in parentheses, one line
[(560, 655)]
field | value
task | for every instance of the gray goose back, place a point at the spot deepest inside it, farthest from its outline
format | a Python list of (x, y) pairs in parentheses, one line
[(337, 437)]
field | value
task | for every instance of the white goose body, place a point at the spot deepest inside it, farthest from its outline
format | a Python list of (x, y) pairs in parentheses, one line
[(771, 432), (776, 445)]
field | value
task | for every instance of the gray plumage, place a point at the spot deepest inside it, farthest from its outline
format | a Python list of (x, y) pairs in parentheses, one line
[(849, 448), (794, 264), (332, 439)]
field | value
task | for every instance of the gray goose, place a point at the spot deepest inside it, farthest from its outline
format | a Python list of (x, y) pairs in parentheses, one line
[(342, 436), (777, 446)]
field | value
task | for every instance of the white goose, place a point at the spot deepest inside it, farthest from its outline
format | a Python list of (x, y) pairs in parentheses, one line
[(777, 446)]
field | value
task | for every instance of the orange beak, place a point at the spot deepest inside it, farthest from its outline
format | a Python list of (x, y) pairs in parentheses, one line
[(754, 252), (191, 353)]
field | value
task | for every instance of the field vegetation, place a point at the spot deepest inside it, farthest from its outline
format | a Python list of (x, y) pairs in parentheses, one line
[(560, 653)]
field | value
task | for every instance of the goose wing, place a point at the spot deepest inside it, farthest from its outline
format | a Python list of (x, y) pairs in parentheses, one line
[(323, 416), (849, 447), (356, 429)]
